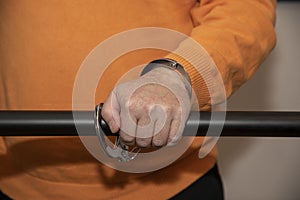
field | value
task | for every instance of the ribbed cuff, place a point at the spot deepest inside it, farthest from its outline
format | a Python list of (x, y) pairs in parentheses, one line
[(206, 81)]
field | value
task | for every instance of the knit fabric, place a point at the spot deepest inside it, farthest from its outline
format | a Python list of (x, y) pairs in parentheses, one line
[(43, 43)]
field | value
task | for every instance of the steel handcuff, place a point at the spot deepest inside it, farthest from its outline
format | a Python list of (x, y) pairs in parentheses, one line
[(120, 151)]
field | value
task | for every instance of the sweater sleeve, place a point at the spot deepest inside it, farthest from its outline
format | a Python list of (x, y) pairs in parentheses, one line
[(235, 37)]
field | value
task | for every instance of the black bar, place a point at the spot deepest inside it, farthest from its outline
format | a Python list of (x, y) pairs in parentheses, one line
[(237, 123), (44, 123)]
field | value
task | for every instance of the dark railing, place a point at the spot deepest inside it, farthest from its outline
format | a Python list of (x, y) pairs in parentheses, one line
[(236, 124)]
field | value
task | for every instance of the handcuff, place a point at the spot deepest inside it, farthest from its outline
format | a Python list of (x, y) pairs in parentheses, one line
[(120, 150)]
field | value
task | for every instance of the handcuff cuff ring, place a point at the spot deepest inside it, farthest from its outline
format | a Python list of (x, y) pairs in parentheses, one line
[(120, 150)]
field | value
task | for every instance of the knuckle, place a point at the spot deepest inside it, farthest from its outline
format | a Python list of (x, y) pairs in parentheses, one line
[(144, 121), (158, 142), (174, 140), (132, 106), (127, 138), (168, 109), (105, 113), (160, 139), (143, 142)]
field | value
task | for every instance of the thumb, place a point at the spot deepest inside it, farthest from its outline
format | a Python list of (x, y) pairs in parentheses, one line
[(111, 112)]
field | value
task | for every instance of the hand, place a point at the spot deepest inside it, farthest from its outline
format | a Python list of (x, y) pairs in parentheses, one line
[(149, 111)]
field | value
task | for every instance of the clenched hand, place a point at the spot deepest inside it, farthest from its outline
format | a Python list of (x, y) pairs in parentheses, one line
[(149, 111)]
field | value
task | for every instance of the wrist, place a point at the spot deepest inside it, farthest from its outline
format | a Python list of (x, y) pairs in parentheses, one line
[(171, 65)]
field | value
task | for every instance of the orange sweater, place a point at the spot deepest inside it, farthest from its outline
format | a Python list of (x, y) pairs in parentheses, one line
[(43, 43)]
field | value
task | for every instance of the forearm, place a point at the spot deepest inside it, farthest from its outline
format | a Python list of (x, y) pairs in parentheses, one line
[(236, 37)]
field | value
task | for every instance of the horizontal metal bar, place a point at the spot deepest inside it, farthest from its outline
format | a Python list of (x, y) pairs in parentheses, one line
[(237, 123)]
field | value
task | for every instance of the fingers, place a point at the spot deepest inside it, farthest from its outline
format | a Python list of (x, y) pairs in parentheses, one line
[(144, 131), (111, 113), (175, 133), (146, 127), (150, 116), (160, 137), (164, 117), (154, 126), (128, 127)]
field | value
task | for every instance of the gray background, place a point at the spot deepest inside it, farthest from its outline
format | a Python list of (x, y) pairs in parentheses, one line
[(267, 168)]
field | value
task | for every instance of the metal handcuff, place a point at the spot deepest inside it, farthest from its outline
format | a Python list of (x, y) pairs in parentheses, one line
[(120, 150)]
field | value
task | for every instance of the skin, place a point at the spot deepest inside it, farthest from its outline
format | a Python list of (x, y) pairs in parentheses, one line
[(150, 110)]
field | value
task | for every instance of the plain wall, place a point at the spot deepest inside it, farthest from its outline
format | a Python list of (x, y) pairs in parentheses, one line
[(267, 168)]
